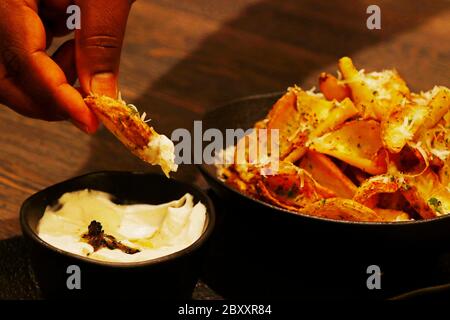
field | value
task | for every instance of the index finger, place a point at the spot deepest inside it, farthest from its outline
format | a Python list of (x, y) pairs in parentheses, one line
[(99, 44), (35, 82)]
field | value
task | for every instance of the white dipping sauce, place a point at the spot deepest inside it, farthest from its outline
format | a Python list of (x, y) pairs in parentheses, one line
[(156, 230)]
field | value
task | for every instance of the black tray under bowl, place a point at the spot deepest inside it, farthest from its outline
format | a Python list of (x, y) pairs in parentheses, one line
[(260, 250)]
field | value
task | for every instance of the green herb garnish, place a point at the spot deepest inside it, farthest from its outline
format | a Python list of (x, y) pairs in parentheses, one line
[(436, 203)]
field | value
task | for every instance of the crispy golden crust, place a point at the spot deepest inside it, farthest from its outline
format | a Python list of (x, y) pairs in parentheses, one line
[(365, 148), (126, 124), (332, 89), (121, 120), (372, 187), (341, 209), (325, 172), (392, 215)]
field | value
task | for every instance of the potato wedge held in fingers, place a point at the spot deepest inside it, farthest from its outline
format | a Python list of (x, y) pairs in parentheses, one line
[(357, 142), (126, 124)]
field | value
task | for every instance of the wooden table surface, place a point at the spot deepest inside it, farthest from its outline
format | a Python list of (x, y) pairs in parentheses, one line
[(183, 58)]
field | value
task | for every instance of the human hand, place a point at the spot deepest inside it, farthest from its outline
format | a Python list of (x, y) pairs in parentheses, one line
[(39, 86)]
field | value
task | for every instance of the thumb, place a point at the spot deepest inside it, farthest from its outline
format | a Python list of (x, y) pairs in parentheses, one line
[(99, 44)]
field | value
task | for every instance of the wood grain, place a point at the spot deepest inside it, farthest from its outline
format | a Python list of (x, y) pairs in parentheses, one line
[(183, 58)]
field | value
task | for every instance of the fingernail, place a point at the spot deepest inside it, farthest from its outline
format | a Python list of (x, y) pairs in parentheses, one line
[(104, 84)]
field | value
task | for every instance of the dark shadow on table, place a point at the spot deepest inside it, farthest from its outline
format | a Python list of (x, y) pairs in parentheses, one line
[(16, 277)]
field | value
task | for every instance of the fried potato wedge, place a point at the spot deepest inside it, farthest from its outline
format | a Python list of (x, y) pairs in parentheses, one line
[(392, 215), (411, 160), (300, 115), (357, 142), (291, 187), (327, 174), (427, 195), (340, 209), (435, 143), (332, 88), (410, 121), (437, 101), (319, 116), (337, 115), (402, 125), (364, 149), (444, 174), (376, 93), (126, 124), (393, 201), (233, 179), (367, 192), (285, 117)]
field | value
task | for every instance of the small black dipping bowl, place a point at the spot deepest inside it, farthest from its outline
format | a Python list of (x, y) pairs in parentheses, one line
[(283, 254), (173, 276)]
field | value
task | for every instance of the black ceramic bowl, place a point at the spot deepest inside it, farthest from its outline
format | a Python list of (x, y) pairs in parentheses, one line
[(171, 276), (288, 254)]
